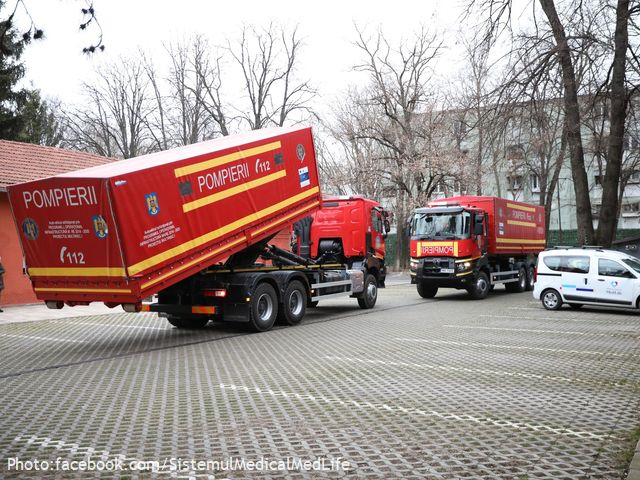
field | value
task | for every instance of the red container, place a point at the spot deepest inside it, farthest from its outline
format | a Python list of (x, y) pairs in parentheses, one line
[(513, 227), (122, 231)]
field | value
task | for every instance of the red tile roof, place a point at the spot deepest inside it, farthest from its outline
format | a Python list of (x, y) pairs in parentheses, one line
[(23, 162)]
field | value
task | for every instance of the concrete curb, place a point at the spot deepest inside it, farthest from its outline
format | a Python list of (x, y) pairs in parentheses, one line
[(634, 467)]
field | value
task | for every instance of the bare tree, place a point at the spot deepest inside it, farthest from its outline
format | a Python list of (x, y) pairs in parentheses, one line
[(269, 60), (566, 37), (111, 122), (356, 168), (409, 132)]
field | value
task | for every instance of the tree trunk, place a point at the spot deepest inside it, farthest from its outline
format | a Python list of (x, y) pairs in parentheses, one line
[(572, 122), (609, 208)]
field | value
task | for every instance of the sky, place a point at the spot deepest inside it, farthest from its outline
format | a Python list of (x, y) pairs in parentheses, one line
[(58, 67)]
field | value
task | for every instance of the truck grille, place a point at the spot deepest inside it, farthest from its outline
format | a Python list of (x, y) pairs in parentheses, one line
[(434, 267)]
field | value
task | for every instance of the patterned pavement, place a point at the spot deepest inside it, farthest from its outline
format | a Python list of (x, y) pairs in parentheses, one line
[(442, 389)]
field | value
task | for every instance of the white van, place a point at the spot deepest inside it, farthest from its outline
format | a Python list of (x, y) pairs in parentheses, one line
[(581, 276)]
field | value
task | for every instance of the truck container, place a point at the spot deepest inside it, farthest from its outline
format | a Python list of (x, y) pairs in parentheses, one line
[(474, 243), (188, 224)]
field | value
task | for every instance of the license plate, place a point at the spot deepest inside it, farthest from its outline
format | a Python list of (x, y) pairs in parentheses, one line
[(446, 270)]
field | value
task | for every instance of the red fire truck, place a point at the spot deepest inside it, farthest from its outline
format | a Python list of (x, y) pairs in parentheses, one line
[(474, 243), (191, 225)]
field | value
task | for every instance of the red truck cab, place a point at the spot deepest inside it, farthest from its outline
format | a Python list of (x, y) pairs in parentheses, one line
[(346, 229)]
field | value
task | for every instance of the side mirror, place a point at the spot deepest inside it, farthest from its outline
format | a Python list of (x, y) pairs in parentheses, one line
[(477, 228), (387, 226)]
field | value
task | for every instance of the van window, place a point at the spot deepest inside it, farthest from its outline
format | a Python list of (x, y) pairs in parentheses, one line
[(633, 263), (567, 263), (610, 268)]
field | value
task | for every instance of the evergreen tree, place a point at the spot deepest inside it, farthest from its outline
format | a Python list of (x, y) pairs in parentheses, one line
[(11, 71), (40, 121)]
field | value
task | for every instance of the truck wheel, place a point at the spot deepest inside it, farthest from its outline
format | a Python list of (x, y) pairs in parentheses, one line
[(186, 323), (426, 290), (530, 281), (370, 294), (551, 299), (480, 287), (264, 308), (294, 304)]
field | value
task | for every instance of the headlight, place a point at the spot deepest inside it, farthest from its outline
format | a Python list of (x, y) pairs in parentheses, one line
[(462, 266)]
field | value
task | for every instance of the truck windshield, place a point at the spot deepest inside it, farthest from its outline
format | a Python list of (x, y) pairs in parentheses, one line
[(441, 226)]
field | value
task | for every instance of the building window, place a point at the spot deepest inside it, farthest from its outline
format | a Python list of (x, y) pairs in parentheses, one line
[(598, 180), (631, 209), (630, 142), (459, 128), (535, 183), (634, 177), (515, 182)]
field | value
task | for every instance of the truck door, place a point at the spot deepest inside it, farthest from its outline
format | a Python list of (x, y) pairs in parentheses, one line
[(377, 233), (480, 232), (614, 283)]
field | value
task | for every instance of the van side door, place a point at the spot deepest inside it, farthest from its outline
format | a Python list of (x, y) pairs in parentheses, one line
[(614, 283), (577, 281)]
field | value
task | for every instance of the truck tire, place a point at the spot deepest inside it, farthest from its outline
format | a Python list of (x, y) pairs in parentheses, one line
[(263, 310), (480, 287), (188, 323), (551, 299), (368, 297), (530, 281), (520, 285), (426, 289), (294, 304)]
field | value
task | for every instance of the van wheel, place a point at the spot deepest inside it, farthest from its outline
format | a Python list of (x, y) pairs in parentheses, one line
[(294, 304), (188, 323), (520, 285), (426, 290), (264, 308), (575, 306), (551, 299), (368, 297), (480, 287)]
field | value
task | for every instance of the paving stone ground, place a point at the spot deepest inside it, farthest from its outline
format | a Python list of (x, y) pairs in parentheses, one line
[(441, 389)]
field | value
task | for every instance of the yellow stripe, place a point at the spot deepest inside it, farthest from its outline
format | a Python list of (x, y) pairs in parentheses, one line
[(83, 290), (522, 224), (455, 249), (463, 274), (216, 197), (284, 219), (76, 272), (207, 237), (231, 157), (468, 259), (519, 240), (190, 264), (536, 247), (521, 207)]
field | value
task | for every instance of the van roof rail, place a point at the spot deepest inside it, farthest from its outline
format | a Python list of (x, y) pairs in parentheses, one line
[(561, 247), (594, 247)]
